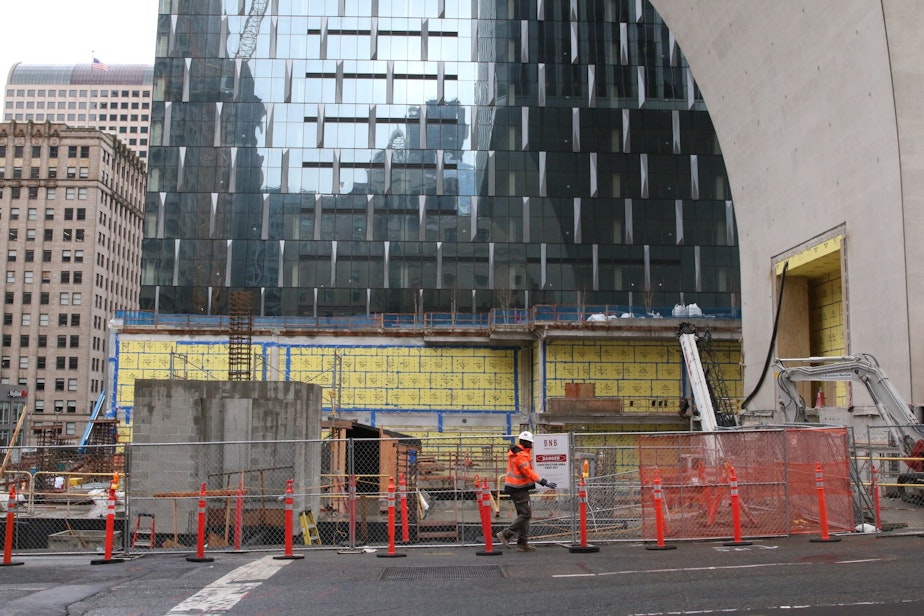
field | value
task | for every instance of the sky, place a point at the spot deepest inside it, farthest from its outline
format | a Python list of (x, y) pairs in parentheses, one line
[(73, 31)]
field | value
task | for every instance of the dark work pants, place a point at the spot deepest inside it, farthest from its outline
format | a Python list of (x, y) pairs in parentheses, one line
[(520, 526)]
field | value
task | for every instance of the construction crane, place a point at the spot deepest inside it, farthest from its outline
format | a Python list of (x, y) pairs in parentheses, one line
[(711, 417), (248, 42)]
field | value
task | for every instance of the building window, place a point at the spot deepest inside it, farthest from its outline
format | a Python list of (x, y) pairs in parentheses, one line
[(38, 406), (71, 384), (23, 362), (72, 363)]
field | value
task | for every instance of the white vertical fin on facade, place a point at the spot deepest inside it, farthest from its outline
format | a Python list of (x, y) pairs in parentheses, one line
[(594, 188), (675, 131), (577, 220), (216, 137), (524, 128), (694, 176), (543, 185), (678, 220)]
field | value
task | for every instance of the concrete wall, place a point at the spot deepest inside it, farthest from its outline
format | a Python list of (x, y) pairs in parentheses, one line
[(816, 104), (191, 432)]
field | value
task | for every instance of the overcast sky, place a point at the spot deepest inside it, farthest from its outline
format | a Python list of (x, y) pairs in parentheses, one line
[(73, 31)]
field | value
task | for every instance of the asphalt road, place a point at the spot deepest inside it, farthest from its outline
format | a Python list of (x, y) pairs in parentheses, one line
[(859, 575)]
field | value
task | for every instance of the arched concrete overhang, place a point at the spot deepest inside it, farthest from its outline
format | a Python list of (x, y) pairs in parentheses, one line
[(817, 106)]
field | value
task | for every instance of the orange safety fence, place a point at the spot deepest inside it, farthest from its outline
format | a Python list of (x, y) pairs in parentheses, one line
[(776, 480)]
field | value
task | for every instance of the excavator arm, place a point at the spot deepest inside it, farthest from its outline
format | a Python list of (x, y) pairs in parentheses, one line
[(863, 369)]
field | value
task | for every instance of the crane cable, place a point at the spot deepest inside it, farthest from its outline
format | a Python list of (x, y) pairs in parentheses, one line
[(776, 322)]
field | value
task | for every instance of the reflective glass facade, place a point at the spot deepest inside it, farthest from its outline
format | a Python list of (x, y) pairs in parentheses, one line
[(346, 157)]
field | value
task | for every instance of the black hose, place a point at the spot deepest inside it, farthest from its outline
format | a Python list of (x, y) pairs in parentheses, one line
[(776, 322)]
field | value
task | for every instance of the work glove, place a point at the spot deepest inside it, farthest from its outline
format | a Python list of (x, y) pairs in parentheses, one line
[(550, 485)]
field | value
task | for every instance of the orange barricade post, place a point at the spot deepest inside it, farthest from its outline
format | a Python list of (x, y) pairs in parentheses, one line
[(486, 529), (200, 556), (822, 508), (110, 526), (876, 497), (239, 515), (391, 522), (736, 509), (288, 527), (10, 521), (405, 531), (658, 498), (583, 548)]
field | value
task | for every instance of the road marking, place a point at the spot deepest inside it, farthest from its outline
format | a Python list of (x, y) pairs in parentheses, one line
[(225, 592), (712, 568)]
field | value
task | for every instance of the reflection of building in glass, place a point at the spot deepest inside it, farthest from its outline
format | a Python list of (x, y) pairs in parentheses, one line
[(445, 156)]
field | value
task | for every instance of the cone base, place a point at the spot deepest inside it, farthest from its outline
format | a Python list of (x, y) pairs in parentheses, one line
[(660, 547), (732, 544), (12, 564), (199, 559), (583, 549), (487, 553), (289, 557), (393, 555), (823, 540), (107, 561)]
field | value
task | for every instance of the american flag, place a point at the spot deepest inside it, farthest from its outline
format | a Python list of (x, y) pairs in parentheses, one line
[(99, 66)]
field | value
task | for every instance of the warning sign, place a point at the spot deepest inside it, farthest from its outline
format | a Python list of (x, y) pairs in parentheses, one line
[(551, 458)]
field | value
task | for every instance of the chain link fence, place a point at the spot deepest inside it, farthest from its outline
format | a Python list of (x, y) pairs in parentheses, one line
[(341, 487)]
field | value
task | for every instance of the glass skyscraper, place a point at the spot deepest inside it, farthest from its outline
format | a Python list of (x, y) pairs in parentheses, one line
[(345, 157)]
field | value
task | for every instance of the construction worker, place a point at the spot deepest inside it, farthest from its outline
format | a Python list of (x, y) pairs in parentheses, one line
[(521, 478)]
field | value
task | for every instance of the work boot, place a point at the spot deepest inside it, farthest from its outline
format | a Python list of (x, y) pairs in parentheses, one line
[(503, 539), (525, 548)]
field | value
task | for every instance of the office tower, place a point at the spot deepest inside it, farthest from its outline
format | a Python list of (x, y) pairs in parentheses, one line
[(71, 204), (113, 98), (366, 156)]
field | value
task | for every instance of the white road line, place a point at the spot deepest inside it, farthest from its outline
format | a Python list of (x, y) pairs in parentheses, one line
[(713, 568), (225, 592)]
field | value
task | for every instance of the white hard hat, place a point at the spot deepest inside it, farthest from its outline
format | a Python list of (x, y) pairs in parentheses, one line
[(526, 435)]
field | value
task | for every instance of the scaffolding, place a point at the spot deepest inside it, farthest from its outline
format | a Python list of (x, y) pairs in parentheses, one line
[(240, 337)]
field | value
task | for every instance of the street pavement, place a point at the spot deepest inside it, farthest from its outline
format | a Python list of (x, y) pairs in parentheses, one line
[(860, 574)]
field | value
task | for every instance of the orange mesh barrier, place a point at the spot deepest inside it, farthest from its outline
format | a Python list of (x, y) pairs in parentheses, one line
[(776, 482)]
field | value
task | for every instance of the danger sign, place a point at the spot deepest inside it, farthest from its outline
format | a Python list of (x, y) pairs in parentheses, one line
[(551, 452)]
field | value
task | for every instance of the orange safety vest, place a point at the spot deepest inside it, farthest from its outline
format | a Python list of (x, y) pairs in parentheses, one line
[(520, 473)]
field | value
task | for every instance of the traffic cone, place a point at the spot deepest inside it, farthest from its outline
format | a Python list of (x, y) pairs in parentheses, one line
[(820, 399)]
